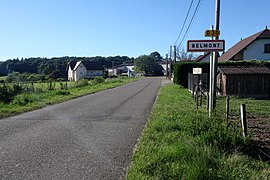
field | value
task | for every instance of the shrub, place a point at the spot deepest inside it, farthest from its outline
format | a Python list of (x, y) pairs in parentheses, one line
[(62, 92), (24, 99), (81, 82), (99, 80)]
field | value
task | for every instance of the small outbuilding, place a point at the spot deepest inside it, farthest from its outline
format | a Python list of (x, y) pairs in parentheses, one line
[(244, 81)]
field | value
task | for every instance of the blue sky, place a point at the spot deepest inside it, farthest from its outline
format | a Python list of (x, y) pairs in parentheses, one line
[(55, 28)]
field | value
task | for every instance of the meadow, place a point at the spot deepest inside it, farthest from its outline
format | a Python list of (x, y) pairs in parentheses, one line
[(21, 97), (181, 142)]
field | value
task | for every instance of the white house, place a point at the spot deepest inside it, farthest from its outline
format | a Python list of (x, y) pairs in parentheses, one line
[(203, 58), (122, 70), (84, 69), (254, 47)]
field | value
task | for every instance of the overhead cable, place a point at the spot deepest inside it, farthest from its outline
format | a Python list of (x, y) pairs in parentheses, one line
[(193, 16), (184, 22)]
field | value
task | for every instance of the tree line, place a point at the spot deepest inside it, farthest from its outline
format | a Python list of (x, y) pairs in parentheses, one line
[(49, 66)]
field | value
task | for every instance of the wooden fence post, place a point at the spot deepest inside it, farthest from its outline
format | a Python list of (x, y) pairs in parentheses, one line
[(243, 119), (227, 109)]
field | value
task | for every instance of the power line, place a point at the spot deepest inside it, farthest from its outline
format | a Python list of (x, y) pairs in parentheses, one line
[(193, 16), (184, 22)]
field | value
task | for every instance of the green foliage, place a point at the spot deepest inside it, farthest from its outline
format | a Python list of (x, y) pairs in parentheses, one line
[(24, 99), (48, 66), (182, 69), (99, 80), (24, 77), (82, 82), (41, 96), (181, 143), (156, 56), (147, 65), (61, 92), (8, 92)]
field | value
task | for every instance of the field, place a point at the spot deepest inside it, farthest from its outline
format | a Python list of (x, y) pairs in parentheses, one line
[(180, 142), (37, 95), (258, 121)]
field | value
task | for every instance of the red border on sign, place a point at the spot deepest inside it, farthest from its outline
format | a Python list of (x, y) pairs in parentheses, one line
[(205, 50)]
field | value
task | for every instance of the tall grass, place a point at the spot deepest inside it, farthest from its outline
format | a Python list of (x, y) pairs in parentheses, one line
[(40, 95), (181, 143)]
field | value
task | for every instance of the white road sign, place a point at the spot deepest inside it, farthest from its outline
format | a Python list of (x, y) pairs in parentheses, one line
[(205, 45)]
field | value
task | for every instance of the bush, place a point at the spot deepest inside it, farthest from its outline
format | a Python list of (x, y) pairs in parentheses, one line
[(81, 82), (99, 80), (24, 99), (62, 92)]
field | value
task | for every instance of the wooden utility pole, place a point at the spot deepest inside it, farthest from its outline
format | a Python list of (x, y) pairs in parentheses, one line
[(213, 66), (170, 72), (174, 54), (216, 54), (210, 96)]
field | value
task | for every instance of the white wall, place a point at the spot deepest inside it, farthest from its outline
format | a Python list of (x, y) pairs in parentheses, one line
[(206, 58), (80, 72), (70, 74), (256, 50)]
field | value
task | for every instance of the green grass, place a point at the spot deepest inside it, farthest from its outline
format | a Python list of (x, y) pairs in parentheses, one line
[(256, 107), (30, 101), (181, 143), (3, 78)]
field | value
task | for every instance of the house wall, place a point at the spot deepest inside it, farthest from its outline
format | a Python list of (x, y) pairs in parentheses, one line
[(70, 74), (206, 58), (93, 73), (256, 50), (80, 72)]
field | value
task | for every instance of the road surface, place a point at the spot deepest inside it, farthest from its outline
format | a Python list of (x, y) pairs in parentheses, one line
[(91, 137)]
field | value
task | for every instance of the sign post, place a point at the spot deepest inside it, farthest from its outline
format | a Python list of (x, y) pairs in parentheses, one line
[(208, 46)]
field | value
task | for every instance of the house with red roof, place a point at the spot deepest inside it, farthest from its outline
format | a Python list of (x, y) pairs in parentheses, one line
[(254, 47), (84, 69)]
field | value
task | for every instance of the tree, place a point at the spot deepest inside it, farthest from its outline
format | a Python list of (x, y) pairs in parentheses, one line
[(182, 55), (156, 56), (55, 74), (147, 65)]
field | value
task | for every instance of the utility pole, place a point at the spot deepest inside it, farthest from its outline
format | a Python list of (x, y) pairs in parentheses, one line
[(217, 18), (210, 96), (166, 66), (174, 55), (170, 72)]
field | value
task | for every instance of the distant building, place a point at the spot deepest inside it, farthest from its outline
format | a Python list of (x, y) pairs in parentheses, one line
[(203, 58), (84, 69), (254, 47), (122, 70)]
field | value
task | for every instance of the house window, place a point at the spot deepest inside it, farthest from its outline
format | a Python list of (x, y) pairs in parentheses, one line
[(267, 48)]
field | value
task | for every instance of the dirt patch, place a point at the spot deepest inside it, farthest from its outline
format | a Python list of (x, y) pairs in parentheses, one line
[(259, 127)]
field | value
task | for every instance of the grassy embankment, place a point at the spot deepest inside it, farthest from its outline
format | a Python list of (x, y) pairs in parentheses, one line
[(180, 143), (42, 97)]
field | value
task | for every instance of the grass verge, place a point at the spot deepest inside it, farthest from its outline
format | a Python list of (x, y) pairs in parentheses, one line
[(180, 143), (30, 101)]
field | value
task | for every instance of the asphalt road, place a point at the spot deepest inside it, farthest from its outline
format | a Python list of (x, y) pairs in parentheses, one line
[(91, 137)]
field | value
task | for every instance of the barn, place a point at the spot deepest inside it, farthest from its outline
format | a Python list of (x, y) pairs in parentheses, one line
[(244, 81)]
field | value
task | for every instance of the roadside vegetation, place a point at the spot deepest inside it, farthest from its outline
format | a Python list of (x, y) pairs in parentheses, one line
[(182, 143), (20, 97)]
